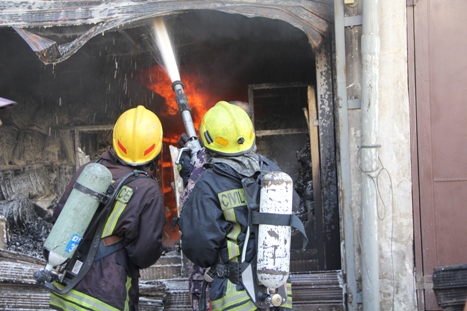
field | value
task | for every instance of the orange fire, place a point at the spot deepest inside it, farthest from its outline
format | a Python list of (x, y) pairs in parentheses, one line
[(199, 98)]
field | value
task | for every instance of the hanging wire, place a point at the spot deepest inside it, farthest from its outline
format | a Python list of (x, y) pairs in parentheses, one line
[(374, 176)]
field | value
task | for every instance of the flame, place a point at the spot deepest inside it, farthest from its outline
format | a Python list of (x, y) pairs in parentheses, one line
[(199, 98)]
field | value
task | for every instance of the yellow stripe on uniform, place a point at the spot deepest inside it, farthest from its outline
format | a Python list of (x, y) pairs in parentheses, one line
[(127, 300), (121, 201), (77, 301), (228, 201), (288, 303), (233, 300)]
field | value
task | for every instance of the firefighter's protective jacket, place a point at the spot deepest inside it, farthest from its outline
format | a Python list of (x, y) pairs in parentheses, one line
[(112, 282), (214, 223)]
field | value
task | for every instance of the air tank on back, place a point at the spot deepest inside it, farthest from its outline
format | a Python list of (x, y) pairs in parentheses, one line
[(273, 258), (77, 213)]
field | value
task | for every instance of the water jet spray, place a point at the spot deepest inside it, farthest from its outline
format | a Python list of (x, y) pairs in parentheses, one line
[(168, 57)]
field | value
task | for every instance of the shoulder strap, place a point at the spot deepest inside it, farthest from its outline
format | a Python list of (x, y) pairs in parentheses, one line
[(100, 221), (252, 188), (280, 220), (113, 190), (86, 264)]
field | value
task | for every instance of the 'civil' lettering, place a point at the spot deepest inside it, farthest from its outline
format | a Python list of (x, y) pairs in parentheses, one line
[(232, 198)]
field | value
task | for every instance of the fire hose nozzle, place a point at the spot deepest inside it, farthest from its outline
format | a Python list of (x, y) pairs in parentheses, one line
[(185, 112), (180, 97), (177, 84)]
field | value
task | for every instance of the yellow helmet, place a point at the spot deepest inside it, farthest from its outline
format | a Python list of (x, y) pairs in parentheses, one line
[(137, 136), (227, 130)]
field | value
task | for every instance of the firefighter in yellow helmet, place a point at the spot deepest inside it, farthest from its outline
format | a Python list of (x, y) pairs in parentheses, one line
[(227, 130), (214, 219), (137, 136), (132, 236)]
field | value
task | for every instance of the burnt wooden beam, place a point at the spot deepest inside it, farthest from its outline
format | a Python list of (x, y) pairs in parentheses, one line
[(312, 17), (19, 13)]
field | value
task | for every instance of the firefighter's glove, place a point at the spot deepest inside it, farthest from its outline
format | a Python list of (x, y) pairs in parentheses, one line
[(184, 167)]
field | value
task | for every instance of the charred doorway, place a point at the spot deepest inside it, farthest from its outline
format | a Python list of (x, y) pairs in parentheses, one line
[(73, 103), (288, 129)]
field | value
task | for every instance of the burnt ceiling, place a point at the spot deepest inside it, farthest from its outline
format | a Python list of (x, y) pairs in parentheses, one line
[(38, 22), (191, 32)]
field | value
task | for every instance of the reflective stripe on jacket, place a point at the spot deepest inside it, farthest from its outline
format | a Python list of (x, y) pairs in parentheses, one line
[(77, 301), (121, 201), (236, 300)]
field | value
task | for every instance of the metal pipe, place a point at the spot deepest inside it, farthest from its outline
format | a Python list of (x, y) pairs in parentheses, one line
[(185, 111), (192, 144), (369, 156), (345, 186)]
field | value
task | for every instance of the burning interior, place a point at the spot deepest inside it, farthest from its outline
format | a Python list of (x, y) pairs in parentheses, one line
[(66, 111)]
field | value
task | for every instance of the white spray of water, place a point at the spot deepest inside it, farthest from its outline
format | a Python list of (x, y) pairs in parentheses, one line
[(165, 47)]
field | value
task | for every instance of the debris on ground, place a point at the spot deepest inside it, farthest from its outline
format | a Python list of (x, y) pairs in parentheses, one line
[(25, 231)]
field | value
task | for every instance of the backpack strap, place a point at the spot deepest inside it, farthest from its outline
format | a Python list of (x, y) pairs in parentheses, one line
[(97, 240), (87, 263), (280, 220)]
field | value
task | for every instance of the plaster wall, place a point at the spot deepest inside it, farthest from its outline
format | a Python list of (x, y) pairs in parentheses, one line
[(393, 177), (395, 230)]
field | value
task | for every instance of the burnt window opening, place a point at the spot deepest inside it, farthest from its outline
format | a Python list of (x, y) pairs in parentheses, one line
[(280, 122)]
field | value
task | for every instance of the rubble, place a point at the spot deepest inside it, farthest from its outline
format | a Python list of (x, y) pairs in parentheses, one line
[(29, 238), (25, 232)]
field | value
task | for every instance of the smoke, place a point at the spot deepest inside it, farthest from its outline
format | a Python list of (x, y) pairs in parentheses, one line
[(213, 25)]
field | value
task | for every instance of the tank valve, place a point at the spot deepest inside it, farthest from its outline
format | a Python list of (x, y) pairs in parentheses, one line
[(276, 300)]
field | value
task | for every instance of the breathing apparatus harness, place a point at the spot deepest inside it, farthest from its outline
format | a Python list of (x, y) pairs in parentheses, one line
[(244, 272), (74, 269)]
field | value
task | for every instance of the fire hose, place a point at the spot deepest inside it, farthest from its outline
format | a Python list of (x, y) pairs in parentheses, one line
[(192, 145)]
